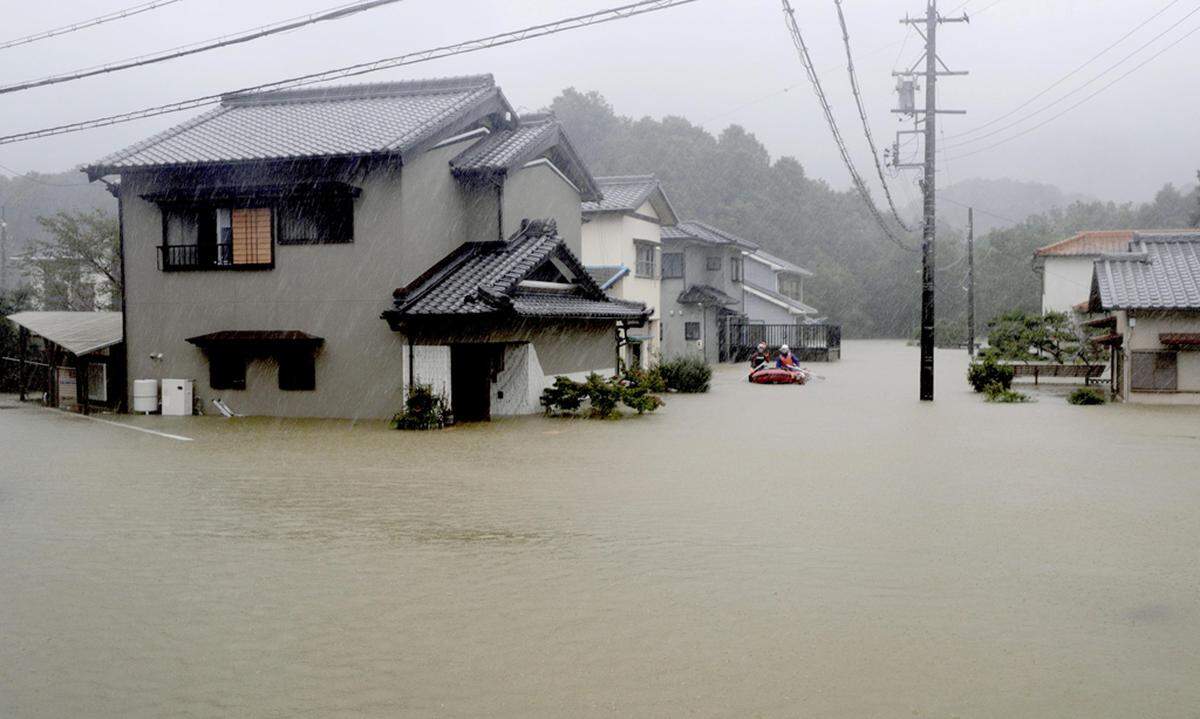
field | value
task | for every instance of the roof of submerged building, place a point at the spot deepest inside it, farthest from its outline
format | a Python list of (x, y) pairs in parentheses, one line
[(1159, 271)]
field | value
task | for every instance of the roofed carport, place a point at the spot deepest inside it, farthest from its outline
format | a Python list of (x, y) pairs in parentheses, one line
[(88, 338)]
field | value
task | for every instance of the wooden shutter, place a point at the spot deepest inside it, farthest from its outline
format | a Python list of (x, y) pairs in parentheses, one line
[(1154, 371), (251, 236)]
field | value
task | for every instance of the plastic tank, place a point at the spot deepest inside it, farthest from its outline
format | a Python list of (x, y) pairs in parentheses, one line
[(145, 395)]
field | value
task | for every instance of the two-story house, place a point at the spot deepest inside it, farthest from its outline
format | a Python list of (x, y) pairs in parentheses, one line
[(702, 288), (275, 249), (775, 290), (622, 251)]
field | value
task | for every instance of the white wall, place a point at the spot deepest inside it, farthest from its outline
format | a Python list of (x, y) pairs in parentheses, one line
[(1144, 335), (1066, 281)]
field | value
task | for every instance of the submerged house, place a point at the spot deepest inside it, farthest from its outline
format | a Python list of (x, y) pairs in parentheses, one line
[(622, 249), (1150, 295), (264, 241), (702, 289)]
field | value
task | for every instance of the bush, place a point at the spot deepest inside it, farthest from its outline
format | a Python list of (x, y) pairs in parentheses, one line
[(423, 410), (1086, 396), (651, 379), (996, 392), (989, 372), (687, 374), (566, 396)]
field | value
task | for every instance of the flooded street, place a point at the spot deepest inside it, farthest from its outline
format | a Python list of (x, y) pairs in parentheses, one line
[(835, 550)]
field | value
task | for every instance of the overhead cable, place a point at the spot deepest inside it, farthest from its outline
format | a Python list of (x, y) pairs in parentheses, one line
[(82, 24)]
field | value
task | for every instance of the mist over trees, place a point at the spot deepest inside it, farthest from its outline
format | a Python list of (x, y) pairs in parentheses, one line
[(863, 281)]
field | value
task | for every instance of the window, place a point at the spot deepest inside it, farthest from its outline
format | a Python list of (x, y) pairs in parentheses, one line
[(227, 370), (97, 381), (316, 221), (713, 264), (672, 265), (1154, 372), (297, 372), (791, 288), (217, 237), (646, 256), (691, 331), (735, 269)]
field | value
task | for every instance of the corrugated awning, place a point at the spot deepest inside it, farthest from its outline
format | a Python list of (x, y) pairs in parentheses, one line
[(256, 338), (1181, 340), (79, 333)]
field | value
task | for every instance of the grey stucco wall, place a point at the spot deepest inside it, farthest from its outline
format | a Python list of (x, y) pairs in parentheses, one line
[(538, 192), (675, 315), (764, 312)]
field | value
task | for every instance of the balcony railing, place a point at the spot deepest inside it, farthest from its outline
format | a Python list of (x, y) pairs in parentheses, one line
[(175, 258), (821, 342)]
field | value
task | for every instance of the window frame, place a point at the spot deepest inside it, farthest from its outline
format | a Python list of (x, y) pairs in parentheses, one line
[(735, 269), (682, 265), (330, 204), (204, 253), (1158, 372), (640, 246), (714, 263), (689, 335)]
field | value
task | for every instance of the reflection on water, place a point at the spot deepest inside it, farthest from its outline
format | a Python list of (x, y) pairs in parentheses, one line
[(835, 550)]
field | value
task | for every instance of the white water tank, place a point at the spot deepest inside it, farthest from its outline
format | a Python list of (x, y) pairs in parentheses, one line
[(177, 397), (145, 395)]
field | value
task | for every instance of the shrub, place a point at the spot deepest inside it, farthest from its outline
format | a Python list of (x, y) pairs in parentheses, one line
[(564, 397), (423, 410), (989, 372), (651, 379), (687, 374), (996, 392), (640, 399), (1086, 395), (603, 395)]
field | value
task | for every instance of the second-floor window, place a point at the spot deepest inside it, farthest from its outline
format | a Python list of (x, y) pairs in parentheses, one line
[(713, 263), (672, 265), (735, 269), (647, 254)]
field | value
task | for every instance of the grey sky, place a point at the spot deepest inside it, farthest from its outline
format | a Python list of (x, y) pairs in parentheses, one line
[(715, 62)]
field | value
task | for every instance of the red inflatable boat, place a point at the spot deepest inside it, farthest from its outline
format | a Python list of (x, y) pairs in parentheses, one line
[(774, 375)]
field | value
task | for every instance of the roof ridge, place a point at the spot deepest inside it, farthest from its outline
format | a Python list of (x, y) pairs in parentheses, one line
[(358, 91)]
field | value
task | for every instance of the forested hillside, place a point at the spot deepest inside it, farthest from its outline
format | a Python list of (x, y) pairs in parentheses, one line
[(863, 281)]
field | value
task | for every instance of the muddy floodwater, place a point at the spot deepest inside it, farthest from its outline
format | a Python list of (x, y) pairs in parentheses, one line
[(836, 550)]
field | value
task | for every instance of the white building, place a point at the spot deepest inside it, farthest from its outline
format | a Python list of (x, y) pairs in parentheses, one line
[(775, 290), (622, 249)]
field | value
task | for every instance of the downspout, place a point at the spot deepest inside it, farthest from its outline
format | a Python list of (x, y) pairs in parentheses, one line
[(123, 405), (499, 182), (412, 379)]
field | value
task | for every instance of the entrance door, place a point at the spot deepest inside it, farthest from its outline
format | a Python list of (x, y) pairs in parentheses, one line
[(471, 382)]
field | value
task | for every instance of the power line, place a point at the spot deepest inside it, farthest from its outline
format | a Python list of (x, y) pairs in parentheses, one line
[(32, 177), (335, 13), (82, 24), (1077, 90), (806, 59), (1051, 119), (551, 28), (862, 113)]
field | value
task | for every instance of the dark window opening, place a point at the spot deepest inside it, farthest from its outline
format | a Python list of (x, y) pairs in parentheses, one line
[(713, 264), (297, 372), (227, 370), (217, 237), (672, 265), (316, 221), (646, 256), (691, 331), (1154, 372)]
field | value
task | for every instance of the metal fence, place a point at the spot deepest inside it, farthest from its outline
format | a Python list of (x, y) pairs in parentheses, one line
[(822, 342)]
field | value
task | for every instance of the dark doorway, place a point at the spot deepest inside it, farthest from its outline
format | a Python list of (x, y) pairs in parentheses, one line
[(472, 370)]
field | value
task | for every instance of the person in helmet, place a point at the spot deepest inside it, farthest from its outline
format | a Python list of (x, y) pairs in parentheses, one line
[(786, 360), (760, 358)]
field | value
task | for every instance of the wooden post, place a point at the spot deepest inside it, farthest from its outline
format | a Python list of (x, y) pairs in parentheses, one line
[(22, 368), (81, 383), (51, 374)]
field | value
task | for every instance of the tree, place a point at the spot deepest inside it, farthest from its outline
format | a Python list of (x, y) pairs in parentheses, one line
[(11, 302), (80, 260)]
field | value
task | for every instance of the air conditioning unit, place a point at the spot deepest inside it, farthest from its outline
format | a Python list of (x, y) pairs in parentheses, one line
[(177, 397)]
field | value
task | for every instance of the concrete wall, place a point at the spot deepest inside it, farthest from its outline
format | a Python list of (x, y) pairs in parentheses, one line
[(759, 274), (539, 191), (675, 315), (1141, 332), (768, 313), (1066, 281), (405, 220)]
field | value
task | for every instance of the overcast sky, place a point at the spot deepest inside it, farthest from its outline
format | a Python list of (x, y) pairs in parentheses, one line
[(715, 62)]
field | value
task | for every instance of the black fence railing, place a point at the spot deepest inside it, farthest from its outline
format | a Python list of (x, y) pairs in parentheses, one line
[(822, 342), (218, 256)]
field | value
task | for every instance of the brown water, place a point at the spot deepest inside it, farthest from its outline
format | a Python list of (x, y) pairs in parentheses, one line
[(836, 550)]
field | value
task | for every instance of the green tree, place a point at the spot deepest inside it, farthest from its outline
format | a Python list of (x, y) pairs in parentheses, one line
[(81, 256), (11, 301)]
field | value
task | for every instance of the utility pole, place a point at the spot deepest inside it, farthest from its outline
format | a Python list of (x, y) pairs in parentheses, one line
[(931, 21), (970, 281), (3, 248)]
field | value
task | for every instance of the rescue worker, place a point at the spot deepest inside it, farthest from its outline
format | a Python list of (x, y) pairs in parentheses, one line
[(786, 360), (761, 357)]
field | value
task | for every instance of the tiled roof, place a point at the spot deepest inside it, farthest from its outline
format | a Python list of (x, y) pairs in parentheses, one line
[(1161, 271), (705, 295), (705, 233), (780, 299), (1095, 242), (349, 120), (607, 275), (485, 278), (627, 193), (534, 137), (777, 263)]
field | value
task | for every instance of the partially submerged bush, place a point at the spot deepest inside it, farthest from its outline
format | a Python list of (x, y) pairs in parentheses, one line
[(686, 374), (989, 372), (603, 395), (1086, 396), (651, 379), (423, 410), (996, 392)]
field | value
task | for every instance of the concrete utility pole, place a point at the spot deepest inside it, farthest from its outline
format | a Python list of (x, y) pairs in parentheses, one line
[(970, 281), (931, 21)]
